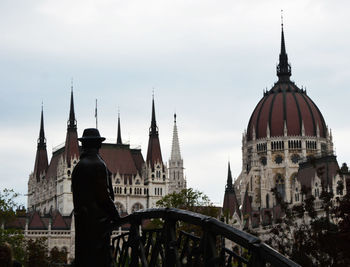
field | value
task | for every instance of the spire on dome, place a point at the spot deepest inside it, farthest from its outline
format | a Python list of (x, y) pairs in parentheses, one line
[(42, 139), (175, 148), (119, 135), (283, 68), (72, 122)]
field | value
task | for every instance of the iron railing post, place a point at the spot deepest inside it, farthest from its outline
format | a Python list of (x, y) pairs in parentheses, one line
[(171, 253)]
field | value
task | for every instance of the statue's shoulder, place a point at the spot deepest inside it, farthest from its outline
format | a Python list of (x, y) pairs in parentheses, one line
[(90, 161)]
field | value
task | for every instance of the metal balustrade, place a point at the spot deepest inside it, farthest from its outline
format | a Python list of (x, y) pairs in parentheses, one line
[(170, 246)]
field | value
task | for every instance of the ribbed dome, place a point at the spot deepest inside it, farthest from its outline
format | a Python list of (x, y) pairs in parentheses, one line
[(285, 105), (285, 102)]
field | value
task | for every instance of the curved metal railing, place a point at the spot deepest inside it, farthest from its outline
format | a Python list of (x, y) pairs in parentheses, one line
[(219, 244)]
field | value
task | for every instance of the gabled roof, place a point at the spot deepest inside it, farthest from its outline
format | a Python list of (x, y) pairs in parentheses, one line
[(120, 159), (36, 222), (58, 221), (17, 223), (52, 169), (138, 159)]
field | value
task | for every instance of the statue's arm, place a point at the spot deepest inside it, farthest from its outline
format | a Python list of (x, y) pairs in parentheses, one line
[(102, 193)]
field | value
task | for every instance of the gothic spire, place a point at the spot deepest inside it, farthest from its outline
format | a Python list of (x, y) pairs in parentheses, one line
[(72, 122), (71, 145), (41, 160), (119, 135), (229, 179), (230, 200), (153, 130), (42, 139), (283, 68), (154, 153), (175, 149)]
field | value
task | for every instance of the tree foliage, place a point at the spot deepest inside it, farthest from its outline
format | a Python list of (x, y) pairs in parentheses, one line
[(14, 237), (189, 199), (313, 239), (31, 253)]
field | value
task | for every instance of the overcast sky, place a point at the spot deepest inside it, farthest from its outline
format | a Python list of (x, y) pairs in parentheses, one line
[(207, 60)]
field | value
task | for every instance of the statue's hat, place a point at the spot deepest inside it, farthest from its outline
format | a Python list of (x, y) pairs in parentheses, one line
[(91, 134)]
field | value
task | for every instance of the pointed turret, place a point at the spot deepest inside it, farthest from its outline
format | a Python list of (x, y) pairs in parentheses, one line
[(42, 139), (72, 122), (71, 145), (246, 208), (153, 130), (230, 200), (41, 160), (175, 148), (229, 179), (283, 68), (153, 153), (176, 165), (119, 135)]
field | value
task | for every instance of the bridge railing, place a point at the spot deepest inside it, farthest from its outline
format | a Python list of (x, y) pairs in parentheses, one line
[(218, 244)]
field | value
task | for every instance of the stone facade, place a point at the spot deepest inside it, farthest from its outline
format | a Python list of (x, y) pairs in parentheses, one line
[(137, 183)]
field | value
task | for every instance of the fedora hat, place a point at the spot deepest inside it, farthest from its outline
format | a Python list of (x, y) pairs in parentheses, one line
[(91, 134)]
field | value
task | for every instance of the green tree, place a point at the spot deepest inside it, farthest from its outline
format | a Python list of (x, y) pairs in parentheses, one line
[(14, 237), (313, 240), (37, 253), (58, 256), (189, 199)]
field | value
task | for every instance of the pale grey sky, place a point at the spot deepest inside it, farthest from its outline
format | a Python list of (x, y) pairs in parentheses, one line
[(208, 60)]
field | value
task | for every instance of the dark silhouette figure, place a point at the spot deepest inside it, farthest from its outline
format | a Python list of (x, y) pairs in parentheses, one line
[(94, 209)]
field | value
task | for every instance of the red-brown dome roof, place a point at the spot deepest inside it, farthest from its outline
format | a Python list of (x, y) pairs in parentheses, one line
[(286, 102)]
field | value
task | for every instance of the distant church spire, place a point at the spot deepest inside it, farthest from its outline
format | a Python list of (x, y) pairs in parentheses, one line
[(154, 153), (176, 165), (42, 139), (229, 179), (119, 135), (41, 160), (72, 122), (230, 204), (153, 130), (283, 68), (71, 144), (175, 149)]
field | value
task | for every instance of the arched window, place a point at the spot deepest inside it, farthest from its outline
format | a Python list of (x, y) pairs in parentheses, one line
[(296, 195), (119, 207), (280, 185), (267, 201), (136, 206)]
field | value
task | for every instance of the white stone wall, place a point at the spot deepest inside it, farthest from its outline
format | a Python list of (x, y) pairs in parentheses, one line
[(277, 154)]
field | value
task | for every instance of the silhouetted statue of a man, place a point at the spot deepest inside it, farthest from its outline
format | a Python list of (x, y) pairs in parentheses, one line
[(94, 209)]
